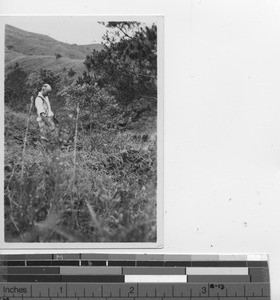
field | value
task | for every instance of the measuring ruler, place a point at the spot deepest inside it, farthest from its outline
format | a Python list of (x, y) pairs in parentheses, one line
[(134, 276)]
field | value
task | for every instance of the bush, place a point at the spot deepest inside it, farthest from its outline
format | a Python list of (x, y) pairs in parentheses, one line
[(16, 88), (71, 72), (58, 55)]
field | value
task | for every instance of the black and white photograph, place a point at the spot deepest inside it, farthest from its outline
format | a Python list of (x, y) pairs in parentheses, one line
[(82, 126)]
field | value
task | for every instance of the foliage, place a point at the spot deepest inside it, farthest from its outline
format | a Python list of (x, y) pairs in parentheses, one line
[(99, 110), (47, 76), (19, 88), (71, 72), (97, 182), (55, 81), (111, 199), (57, 55), (127, 67), (16, 88)]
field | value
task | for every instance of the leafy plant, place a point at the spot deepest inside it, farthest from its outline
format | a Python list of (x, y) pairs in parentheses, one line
[(98, 183), (71, 72)]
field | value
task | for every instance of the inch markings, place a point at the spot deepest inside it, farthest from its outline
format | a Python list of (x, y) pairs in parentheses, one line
[(144, 290), (137, 277)]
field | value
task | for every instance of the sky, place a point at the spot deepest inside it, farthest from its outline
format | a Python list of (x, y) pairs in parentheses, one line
[(79, 30), (72, 30)]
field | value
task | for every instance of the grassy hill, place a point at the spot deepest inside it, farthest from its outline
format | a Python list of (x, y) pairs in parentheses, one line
[(34, 51), (29, 43), (33, 63)]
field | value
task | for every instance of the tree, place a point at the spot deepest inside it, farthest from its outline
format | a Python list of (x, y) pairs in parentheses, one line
[(17, 89), (47, 76), (58, 55), (127, 66), (97, 107)]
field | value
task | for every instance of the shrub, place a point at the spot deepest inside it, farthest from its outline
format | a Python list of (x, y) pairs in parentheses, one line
[(58, 55), (16, 88), (71, 72)]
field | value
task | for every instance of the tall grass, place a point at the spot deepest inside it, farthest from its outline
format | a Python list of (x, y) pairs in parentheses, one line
[(110, 198)]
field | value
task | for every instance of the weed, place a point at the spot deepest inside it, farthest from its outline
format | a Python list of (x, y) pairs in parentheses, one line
[(111, 198)]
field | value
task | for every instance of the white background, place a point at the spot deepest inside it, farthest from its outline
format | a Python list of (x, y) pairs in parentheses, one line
[(222, 124)]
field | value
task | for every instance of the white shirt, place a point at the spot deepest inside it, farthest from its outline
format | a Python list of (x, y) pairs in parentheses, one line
[(43, 106)]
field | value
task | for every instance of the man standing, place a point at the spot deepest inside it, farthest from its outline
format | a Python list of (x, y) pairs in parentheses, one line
[(45, 115)]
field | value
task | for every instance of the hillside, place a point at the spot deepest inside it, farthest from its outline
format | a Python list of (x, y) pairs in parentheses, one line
[(33, 63), (34, 52), (29, 43), (95, 177)]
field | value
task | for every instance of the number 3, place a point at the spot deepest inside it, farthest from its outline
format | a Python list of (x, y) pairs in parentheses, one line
[(204, 290)]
